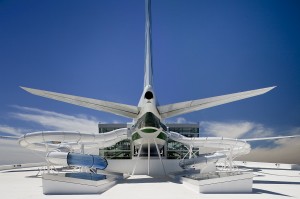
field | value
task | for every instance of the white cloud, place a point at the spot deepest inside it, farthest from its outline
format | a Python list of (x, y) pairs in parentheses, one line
[(57, 121), (235, 129), (281, 151), (181, 120), (13, 153), (47, 120), (178, 120), (287, 151), (11, 130)]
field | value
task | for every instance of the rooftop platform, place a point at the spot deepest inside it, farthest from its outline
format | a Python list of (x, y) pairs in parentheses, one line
[(270, 181)]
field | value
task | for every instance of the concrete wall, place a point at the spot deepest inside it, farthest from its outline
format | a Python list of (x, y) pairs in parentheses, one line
[(19, 166), (156, 168)]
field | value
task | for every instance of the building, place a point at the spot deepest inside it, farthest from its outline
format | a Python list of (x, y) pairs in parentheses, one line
[(126, 150)]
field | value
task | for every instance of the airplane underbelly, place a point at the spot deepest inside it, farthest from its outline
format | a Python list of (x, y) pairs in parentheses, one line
[(149, 134)]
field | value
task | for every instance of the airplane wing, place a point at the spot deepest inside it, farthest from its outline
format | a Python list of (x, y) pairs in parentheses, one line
[(110, 107), (171, 110)]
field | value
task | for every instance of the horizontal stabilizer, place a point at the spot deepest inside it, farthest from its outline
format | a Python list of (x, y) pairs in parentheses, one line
[(110, 107), (271, 138), (180, 108)]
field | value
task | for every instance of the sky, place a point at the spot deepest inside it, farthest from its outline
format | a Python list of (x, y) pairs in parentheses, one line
[(201, 49)]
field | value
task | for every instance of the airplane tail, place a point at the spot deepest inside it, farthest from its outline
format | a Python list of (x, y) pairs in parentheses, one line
[(148, 47)]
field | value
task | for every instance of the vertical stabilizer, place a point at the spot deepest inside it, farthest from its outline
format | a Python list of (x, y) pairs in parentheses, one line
[(148, 43)]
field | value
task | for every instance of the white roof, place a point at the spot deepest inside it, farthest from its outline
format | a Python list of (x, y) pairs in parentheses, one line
[(269, 182)]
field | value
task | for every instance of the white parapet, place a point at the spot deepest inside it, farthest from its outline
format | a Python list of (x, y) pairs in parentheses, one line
[(73, 183), (295, 166), (19, 166), (223, 183), (140, 166)]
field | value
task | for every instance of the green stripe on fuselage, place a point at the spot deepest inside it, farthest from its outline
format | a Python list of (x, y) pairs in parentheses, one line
[(162, 136), (135, 136), (149, 130)]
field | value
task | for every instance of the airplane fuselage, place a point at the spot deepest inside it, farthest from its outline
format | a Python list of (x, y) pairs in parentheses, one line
[(148, 128)]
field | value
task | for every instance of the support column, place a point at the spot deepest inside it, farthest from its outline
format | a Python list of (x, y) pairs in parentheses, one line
[(82, 148), (190, 151), (48, 164), (159, 157), (230, 160), (82, 169), (148, 157), (137, 158)]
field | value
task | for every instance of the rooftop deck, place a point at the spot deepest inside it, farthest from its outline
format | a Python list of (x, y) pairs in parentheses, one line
[(270, 181)]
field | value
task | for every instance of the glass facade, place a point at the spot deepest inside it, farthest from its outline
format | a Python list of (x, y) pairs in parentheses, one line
[(176, 150), (121, 150), (172, 149)]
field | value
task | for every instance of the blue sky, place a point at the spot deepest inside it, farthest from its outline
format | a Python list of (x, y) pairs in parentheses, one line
[(200, 49)]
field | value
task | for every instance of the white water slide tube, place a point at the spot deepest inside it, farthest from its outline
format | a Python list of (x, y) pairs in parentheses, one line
[(227, 146), (51, 140), (201, 161)]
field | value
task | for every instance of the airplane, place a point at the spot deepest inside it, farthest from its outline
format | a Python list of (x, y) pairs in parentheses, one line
[(148, 132)]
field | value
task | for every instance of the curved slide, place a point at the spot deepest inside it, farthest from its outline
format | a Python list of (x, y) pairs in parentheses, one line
[(227, 146), (52, 140)]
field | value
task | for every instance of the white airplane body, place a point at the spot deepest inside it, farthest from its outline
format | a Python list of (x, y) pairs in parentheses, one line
[(148, 132)]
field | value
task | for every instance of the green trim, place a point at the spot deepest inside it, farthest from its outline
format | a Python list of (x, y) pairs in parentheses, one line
[(135, 136), (149, 130), (162, 136)]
